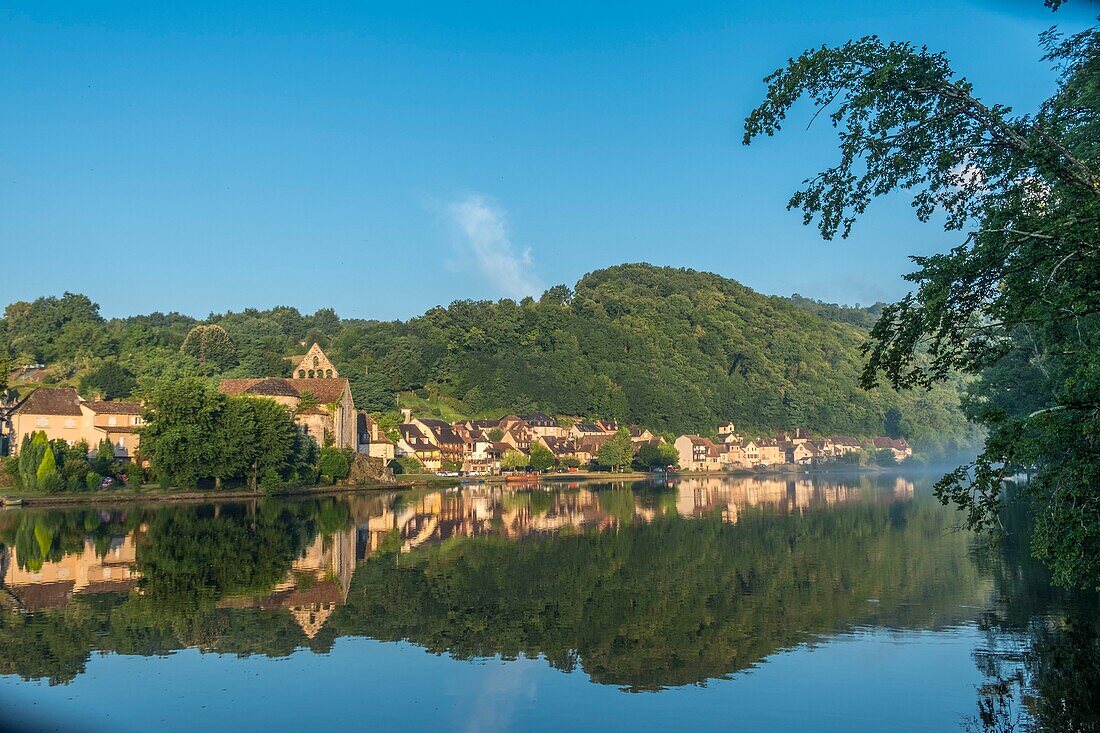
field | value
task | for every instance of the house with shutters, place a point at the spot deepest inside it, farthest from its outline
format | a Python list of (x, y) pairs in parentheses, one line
[(452, 448)]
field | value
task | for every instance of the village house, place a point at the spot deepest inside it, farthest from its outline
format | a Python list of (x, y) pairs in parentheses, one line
[(800, 453), (844, 445), (321, 400), (562, 448), (900, 447), (741, 453), (452, 447), (62, 414), (372, 441), (586, 429), (518, 437), (497, 450), (768, 452), (699, 454), (588, 447), (482, 455), (542, 425), (735, 454), (415, 444)]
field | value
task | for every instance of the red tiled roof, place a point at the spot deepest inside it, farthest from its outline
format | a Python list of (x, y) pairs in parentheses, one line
[(325, 389)]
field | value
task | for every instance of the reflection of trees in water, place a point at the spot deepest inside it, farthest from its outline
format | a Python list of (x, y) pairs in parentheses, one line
[(674, 601), (1041, 659), (643, 589), (40, 537), (191, 561)]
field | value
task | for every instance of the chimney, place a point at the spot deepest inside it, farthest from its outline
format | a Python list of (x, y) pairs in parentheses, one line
[(406, 415)]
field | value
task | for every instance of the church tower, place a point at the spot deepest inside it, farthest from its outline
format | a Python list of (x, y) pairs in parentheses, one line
[(315, 365)]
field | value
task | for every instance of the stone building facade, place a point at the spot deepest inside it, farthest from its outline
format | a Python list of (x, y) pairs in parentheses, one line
[(321, 404)]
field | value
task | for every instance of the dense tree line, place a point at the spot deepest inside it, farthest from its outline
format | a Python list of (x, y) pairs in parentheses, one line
[(675, 350)]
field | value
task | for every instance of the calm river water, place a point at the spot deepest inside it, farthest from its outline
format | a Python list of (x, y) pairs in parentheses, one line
[(702, 604)]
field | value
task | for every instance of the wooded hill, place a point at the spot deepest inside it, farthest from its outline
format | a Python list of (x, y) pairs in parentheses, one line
[(672, 349)]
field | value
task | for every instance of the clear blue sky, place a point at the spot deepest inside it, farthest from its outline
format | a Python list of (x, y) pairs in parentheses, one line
[(382, 158)]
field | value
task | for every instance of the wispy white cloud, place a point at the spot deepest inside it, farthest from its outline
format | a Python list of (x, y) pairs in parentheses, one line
[(483, 228)]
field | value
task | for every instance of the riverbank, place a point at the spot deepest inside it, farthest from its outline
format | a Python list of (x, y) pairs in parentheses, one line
[(149, 494)]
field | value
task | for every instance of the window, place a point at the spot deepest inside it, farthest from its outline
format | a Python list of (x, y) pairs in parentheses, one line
[(112, 421), (70, 422), (42, 422), (316, 362), (328, 372), (301, 374), (137, 420)]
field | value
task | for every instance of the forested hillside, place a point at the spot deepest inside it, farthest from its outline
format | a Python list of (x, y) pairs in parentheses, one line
[(675, 350)]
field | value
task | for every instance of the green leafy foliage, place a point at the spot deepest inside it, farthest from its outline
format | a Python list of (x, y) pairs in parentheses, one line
[(513, 460), (1016, 301), (405, 464), (335, 462), (210, 343), (196, 433), (653, 456), (542, 457), (617, 451), (110, 381), (47, 478)]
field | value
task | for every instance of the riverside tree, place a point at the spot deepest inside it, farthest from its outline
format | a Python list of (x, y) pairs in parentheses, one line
[(617, 451), (513, 460), (542, 457), (657, 455), (1016, 301)]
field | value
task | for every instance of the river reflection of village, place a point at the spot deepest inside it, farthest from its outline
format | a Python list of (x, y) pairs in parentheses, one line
[(318, 581)]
